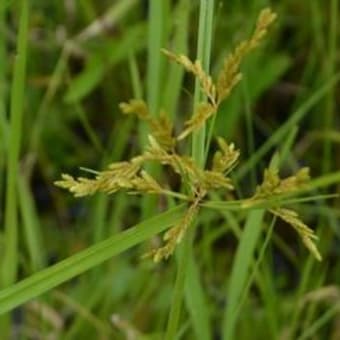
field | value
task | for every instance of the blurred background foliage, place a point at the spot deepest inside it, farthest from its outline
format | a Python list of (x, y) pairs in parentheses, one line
[(84, 58)]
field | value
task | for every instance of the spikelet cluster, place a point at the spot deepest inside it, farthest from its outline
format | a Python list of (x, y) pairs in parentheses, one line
[(175, 235), (230, 74), (306, 234), (274, 187), (131, 176)]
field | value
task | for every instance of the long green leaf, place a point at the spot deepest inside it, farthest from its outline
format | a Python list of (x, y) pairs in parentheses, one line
[(10, 260), (186, 272), (65, 270), (175, 72), (178, 290), (156, 38), (9, 263), (240, 269), (196, 302), (103, 60), (330, 69), (281, 132), (320, 322), (31, 226)]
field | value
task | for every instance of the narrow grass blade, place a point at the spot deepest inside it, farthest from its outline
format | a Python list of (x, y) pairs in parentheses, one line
[(95, 68), (9, 263), (10, 260), (3, 99), (194, 294), (282, 131), (331, 64), (203, 54), (196, 302), (320, 322), (273, 202), (32, 228), (249, 126), (135, 77), (198, 143), (112, 15), (157, 34), (42, 112), (156, 37), (264, 282), (176, 72), (324, 181), (100, 206), (67, 269), (239, 272), (288, 145), (178, 292)]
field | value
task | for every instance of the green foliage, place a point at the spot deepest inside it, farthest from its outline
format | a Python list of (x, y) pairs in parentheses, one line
[(132, 177), (73, 268), (101, 60)]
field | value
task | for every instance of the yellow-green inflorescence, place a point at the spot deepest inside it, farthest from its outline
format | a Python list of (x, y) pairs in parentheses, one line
[(132, 177)]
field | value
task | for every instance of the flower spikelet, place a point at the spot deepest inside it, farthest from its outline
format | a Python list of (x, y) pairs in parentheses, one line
[(161, 129), (145, 184), (225, 159), (230, 74), (181, 165), (206, 83), (272, 185), (175, 235), (155, 152), (190, 173), (79, 187), (204, 111), (197, 181), (118, 176), (184, 166), (215, 180), (265, 19), (135, 106), (295, 182), (307, 235)]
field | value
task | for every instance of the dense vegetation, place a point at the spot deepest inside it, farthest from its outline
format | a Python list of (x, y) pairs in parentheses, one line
[(225, 176)]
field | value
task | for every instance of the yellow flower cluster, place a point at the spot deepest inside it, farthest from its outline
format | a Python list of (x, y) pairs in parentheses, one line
[(132, 177)]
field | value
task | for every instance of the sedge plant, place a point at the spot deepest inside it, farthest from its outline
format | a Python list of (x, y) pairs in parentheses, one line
[(207, 180), (163, 148)]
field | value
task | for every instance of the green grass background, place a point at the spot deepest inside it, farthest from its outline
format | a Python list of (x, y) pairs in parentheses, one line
[(68, 266)]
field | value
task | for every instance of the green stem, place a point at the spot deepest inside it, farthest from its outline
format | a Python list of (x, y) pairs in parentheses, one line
[(10, 261), (10, 257), (176, 195), (198, 141), (330, 71), (203, 54), (179, 45), (157, 30), (156, 34), (177, 298), (3, 97), (284, 129), (89, 258), (38, 125), (135, 77)]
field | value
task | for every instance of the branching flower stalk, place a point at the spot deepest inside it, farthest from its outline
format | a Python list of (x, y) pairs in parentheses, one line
[(132, 177)]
